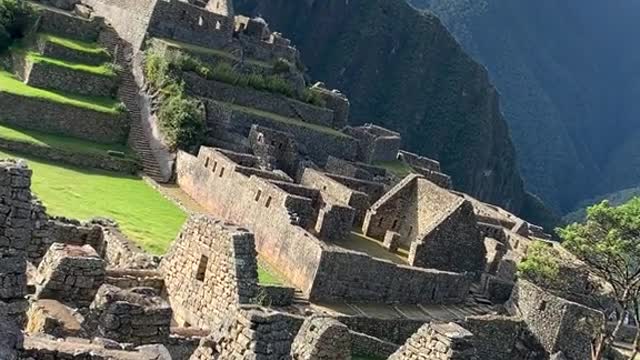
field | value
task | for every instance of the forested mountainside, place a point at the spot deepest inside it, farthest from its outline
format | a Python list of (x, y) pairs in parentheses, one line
[(402, 69), (568, 75)]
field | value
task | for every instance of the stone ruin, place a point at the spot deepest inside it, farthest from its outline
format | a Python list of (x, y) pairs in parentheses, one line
[(371, 261)]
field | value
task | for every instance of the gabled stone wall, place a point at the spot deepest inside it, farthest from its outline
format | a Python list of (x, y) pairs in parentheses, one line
[(557, 323), (322, 338), (210, 271)]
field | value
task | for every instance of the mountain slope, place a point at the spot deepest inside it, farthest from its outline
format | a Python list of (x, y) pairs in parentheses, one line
[(568, 74), (402, 69)]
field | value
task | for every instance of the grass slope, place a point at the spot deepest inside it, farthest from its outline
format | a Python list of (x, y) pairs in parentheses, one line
[(59, 142), (77, 45), (143, 214), (104, 70), (214, 52), (10, 84)]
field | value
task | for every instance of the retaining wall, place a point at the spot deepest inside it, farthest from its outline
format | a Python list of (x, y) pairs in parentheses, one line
[(49, 76), (105, 162), (64, 119)]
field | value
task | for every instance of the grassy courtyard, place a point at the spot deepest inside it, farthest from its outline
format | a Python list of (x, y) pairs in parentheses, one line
[(143, 214)]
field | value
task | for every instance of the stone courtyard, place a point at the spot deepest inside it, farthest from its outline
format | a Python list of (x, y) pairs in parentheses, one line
[(372, 262)]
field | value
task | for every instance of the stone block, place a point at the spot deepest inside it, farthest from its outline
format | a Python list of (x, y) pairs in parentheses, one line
[(391, 241)]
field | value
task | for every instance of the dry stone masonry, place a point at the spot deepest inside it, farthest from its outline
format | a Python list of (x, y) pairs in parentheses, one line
[(438, 342), (322, 338), (70, 273)]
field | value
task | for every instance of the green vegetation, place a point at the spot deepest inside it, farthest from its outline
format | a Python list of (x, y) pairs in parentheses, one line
[(15, 17), (286, 120), (106, 69), (213, 52), (266, 275), (10, 84), (143, 214), (608, 242), (82, 46), (397, 167), (541, 264), (61, 142), (365, 357)]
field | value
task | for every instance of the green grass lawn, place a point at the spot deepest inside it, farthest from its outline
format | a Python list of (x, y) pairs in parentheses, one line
[(268, 276), (66, 143), (397, 167), (143, 213), (77, 45), (12, 85), (286, 120), (104, 70)]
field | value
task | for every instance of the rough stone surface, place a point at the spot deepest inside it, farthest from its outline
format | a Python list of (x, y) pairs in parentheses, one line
[(558, 324), (138, 315), (36, 114), (435, 224), (10, 335), (251, 334), (210, 271), (322, 338), (49, 76), (59, 23), (436, 341), (71, 274)]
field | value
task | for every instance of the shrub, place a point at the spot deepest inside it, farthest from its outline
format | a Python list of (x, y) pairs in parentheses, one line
[(282, 66), (313, 98), (15, 17), (181, 119)]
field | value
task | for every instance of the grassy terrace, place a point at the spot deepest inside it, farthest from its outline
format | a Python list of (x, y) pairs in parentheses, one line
[(77, 45), (143, 214), (397, 167), (66, 143), (12, 85), (101, 70), (207, 51), (286, 120)]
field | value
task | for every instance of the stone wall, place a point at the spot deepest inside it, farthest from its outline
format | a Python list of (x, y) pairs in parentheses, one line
[(337, 192), (15, 233), (251, 334), (370, 347), (275, 149), (71, 274), (358, 170), (138, 316), (120, 252), (558, 324), (320, 271), (96, 161), (40, 347), (10, 334), (66, 25), (49, 76), (210, 271), (129, 18), (262, 100), (129, 278), (322, 338), (64, 119), (438, 342), (418, 161), (344, 275), (269, 50), (317, 144), (53, 50), (188, 23), (376, 143), (435, 224)]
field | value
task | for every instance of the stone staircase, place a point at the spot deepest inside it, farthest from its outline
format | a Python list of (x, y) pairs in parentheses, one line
[(128, 93)]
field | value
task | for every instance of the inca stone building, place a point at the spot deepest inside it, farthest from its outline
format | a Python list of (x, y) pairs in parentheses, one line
[(377, 256)]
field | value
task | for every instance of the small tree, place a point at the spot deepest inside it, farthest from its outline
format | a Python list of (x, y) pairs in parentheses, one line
[(609, 243), (15, 16)]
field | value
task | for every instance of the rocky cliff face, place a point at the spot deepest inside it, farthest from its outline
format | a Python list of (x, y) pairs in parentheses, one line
[(402, 69), (567, 72)]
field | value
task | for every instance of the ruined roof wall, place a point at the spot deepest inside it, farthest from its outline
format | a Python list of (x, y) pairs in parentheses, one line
[(210, 270)]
